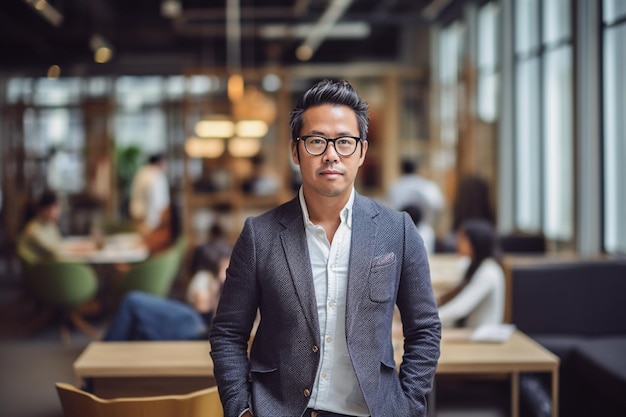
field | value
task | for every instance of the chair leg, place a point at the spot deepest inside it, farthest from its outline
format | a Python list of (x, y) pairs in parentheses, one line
[(65, 333), (81, 324)]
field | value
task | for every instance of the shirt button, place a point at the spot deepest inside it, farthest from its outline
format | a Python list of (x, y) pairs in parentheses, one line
[(331, 304), (307, 392), (324, 375), (329, 339), (315, 348)]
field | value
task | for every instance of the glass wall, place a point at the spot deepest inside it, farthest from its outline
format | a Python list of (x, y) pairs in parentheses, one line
[(544, 181), (614, 64)]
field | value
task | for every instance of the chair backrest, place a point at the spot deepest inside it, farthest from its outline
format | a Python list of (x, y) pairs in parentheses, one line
[(62, 284), (78, 403), (157, 274)]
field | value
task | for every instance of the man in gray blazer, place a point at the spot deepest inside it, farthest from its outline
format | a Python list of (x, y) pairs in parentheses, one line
[(324, 273)]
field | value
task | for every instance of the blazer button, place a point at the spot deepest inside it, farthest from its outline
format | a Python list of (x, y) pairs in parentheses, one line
[(315, 348), (307, 392)]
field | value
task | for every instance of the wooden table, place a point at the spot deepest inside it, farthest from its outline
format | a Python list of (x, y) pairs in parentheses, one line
[(459, 355), (116, 369), (116, 249)]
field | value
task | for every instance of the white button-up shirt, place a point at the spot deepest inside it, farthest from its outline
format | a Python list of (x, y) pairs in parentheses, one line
[(336, 388)]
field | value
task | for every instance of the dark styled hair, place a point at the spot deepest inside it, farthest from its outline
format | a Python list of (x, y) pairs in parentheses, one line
[(409, 166), (473, 201), (47, 199), (334, 93), (415, 212), (482, 237), (155, 158)]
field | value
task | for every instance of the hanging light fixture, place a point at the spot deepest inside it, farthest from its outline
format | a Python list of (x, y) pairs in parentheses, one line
[(215, 128), (251, 128), (204, 147), (244, 147)]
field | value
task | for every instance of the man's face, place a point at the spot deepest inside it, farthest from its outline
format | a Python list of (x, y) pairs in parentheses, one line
[(328, 174)]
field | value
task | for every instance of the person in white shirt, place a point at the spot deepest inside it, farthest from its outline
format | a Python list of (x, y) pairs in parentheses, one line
[(324, 272), (411, 188), (479, 299), (149, 196)]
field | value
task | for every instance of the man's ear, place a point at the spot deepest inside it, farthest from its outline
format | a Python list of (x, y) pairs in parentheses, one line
[(295, 154)]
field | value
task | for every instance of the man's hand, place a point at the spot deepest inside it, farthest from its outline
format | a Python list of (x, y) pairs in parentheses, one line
[(247, 414)]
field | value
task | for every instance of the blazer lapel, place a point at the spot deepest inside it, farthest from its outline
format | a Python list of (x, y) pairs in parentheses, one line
[(294, 243)]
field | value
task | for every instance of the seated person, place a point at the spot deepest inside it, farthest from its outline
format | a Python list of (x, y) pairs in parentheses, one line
[(143, 316), (40, 240), (479, 299)]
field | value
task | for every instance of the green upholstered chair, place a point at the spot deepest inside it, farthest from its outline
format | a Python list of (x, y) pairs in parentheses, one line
[(61, 288), (155, 275)]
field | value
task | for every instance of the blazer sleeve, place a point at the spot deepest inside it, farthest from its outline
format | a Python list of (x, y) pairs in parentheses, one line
[(420, 321), (232, 324)]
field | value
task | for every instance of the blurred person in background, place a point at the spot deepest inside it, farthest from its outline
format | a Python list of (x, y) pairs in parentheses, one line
[(150, 206), (143, 316), (412, 189), (41, 238), (479, 299)]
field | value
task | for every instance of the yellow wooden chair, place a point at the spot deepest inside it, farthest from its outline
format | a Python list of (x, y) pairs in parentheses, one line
[(79, 403)]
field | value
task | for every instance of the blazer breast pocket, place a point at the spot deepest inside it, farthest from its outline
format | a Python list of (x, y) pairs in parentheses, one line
[(381, 279)]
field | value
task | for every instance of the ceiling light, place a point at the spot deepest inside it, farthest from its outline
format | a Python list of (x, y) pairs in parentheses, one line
[(235, 87), (244, 147), (344, 30), (251, 128), (317, 35), (47, 11), (215, 128), (204, 147), (102, 49), (54, 72), (171, 8)]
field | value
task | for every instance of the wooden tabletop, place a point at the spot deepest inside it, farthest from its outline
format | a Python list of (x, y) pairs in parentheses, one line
[(140, 359), (460, 355), (119, 248)]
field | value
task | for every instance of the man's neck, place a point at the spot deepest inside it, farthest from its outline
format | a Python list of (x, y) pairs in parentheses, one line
[(325, 209)]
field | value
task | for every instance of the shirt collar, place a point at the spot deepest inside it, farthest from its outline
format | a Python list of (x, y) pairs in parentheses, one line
[(345, 215)]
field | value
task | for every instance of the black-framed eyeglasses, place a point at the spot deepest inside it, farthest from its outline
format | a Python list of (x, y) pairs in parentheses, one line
[(316, 145)]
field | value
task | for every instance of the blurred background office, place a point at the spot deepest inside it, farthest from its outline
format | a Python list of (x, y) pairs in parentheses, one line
[(522, 94)]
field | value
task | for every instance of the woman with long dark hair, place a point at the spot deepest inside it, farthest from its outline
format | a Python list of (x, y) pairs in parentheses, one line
[(479, 299)]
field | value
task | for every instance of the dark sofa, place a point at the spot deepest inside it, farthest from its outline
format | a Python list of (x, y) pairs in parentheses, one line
[(577, 310)]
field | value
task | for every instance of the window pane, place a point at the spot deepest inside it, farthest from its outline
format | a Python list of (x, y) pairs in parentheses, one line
[(558, 144), (613, 10), (488, 36), (527, 155), (526, 25), (487, 62), (145, 129), (450, 51), (614, 143), (488, 97), (556, 20), (57, 92)]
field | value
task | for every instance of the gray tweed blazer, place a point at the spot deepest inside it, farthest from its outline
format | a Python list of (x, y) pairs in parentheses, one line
[(270, 272)]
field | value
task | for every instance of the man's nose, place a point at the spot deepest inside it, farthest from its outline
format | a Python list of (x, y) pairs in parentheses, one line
[(330, 154)]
